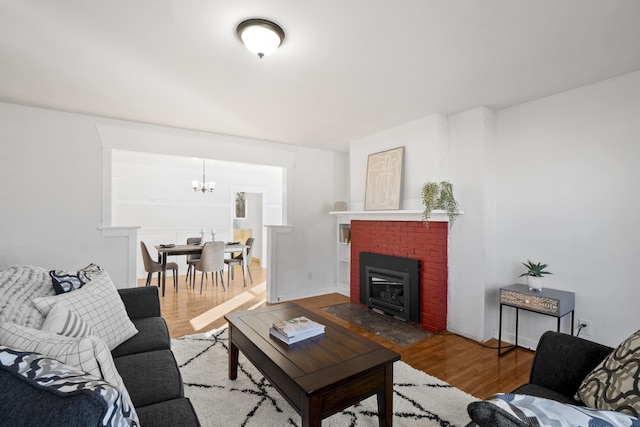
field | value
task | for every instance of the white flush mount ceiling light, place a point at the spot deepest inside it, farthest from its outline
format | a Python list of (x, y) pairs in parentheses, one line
[(260, 36)]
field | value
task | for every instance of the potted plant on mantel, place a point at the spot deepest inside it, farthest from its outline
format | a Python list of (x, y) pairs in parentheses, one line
[(439, 196), (535, 275)]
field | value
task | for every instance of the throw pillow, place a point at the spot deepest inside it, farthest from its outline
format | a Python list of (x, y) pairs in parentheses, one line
[(519, 410), (99, 304), (89, 354), (615, 383), (62, 321), (63, 380), (67, 281)]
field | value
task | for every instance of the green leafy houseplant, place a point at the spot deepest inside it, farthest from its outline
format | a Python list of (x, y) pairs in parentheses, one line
[(535, 274), (535, 270), (439, 196)]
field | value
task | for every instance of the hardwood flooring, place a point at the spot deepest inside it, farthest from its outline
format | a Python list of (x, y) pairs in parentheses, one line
[(463, 363)]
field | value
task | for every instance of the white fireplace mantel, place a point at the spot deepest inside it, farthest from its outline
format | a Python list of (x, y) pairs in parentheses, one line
[(392, 215)]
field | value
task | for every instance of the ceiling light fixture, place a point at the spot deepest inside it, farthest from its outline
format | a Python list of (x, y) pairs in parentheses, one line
[(203, 186), (260, 36)]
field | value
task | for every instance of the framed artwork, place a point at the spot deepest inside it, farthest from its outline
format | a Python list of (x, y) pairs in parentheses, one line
[(384, 180), (241, 205)]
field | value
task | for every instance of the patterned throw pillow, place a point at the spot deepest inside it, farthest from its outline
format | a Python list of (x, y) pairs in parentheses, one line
[(62, 321), (67, 281), (99, 304), (520, 410), (615, 383), (89, 354), (63, 380)]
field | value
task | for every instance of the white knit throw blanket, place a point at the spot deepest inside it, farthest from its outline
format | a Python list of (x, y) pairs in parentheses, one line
[(19, 285)]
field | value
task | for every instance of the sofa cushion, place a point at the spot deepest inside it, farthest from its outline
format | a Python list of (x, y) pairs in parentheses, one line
[(153, 335), (176, 412), (63, 321), (519, 410), (99, 304), (58, 394), (615, 383), (150, 377)]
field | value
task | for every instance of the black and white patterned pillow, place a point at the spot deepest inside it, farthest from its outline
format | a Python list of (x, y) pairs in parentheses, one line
[(67, 281), (615, 383), (520, 410), (52, 375)]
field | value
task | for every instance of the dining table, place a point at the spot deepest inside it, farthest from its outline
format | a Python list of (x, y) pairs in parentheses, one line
[(165, 251)]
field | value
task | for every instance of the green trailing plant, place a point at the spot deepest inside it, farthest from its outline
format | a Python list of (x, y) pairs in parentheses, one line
[(439, 196), (535, 270)]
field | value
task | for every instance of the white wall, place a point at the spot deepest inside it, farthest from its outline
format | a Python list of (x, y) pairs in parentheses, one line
[(567, 177), (51, 192), (55, 194), (308, 267), (472, 240), (552, 180), (425, 158)]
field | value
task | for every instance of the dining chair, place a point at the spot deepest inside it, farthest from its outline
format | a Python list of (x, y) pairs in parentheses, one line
[(212, 261), (192, 259), (239, 260), (151, 266)]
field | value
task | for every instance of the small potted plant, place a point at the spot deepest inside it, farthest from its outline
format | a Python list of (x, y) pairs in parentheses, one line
[(535, 275)]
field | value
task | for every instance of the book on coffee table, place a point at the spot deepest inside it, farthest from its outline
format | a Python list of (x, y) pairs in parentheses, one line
[(296, 326), (296, 338)]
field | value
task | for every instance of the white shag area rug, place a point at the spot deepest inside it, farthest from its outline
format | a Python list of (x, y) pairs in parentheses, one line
[(418, 399)]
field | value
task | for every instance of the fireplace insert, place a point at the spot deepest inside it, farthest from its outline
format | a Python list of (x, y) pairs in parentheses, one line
[(391, 285)]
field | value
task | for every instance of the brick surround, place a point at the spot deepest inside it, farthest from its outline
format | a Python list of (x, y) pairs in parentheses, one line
[(410, 239)]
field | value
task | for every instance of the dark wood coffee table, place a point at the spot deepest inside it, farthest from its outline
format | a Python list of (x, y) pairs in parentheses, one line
[(318, 376)]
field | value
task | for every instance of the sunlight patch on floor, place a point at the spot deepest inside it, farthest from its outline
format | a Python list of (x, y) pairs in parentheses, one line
[(259, 288), (217, 312)]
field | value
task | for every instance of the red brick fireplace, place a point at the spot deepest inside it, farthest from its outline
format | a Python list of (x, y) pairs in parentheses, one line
[(409, 239)]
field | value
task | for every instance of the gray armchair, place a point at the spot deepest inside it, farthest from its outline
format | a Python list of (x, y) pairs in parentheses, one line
[(559, 365)]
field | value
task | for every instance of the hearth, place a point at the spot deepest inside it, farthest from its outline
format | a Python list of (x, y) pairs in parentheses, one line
[(391, 285)]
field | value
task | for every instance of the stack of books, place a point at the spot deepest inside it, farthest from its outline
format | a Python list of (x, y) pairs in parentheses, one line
[(296, 329)]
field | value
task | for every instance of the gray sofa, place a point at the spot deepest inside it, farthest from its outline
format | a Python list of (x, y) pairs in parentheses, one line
[(147, 366), (145, 363)]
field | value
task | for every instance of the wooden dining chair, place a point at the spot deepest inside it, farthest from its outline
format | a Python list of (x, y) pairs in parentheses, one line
[(212, 261), (151, 266), (239, 260)]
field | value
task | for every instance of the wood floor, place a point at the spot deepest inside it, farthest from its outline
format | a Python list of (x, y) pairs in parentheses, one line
[(463, 363)]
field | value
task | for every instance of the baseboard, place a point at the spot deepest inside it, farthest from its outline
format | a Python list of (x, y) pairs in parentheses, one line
[(300, 295)]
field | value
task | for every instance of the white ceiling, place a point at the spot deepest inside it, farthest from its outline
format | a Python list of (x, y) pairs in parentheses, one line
[(347, 69)]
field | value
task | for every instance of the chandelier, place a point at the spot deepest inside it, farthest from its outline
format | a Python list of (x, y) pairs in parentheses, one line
[(203, 186)]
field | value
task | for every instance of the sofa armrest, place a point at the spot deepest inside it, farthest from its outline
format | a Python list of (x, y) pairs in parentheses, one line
[(562, 361), (141, 302)]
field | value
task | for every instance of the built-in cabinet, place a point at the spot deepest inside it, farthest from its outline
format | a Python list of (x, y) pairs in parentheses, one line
[(344, 254)]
